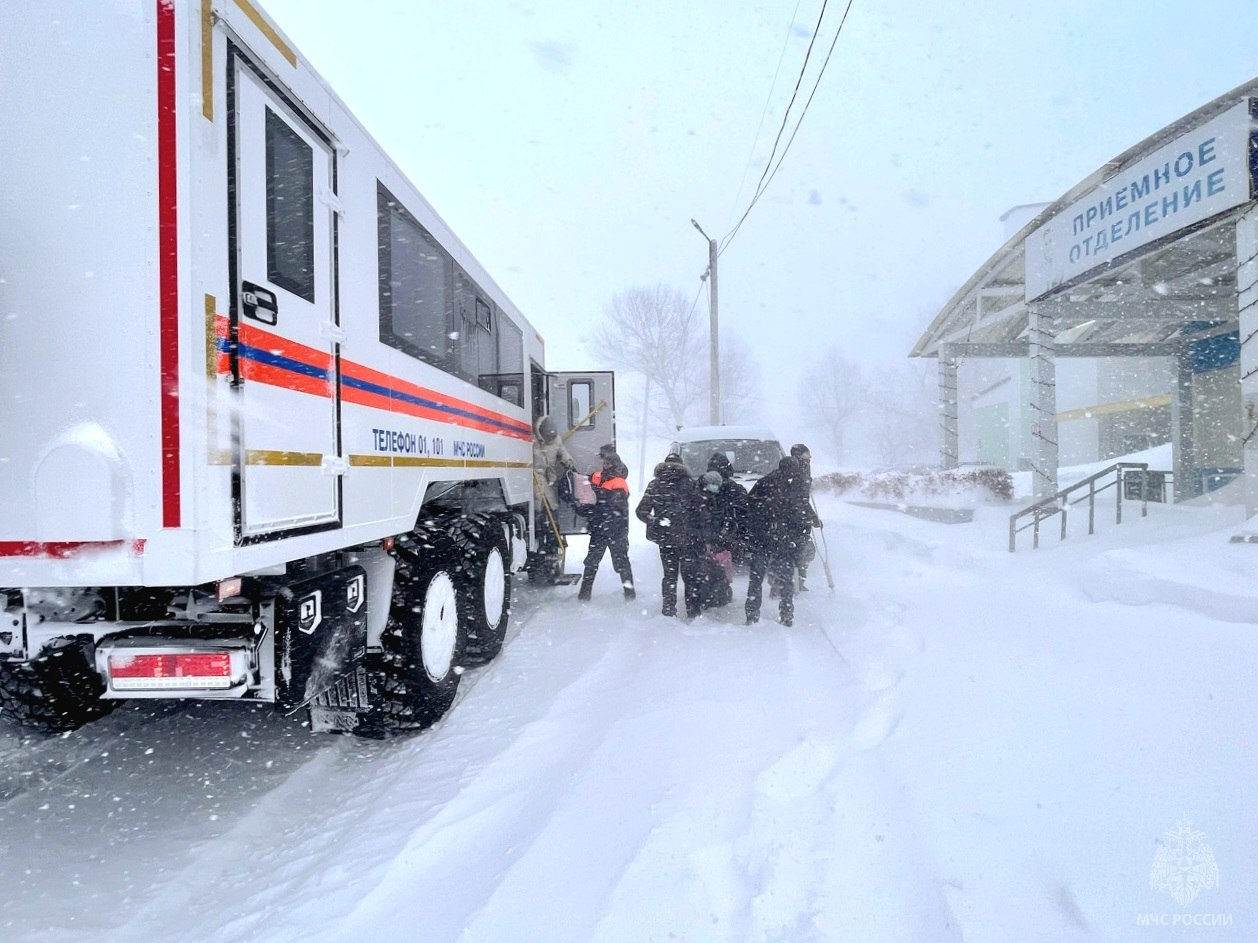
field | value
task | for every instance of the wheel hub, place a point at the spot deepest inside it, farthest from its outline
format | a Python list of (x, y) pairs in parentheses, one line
[(439, 630)]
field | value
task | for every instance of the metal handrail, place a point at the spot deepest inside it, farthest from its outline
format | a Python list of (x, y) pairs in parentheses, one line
[(1060, 503)]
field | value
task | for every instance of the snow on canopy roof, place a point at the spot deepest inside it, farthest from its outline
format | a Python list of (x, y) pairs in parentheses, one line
[(1136, 308)]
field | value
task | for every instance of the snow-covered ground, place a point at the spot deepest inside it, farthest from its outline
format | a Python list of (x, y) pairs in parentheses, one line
[(957, 743)]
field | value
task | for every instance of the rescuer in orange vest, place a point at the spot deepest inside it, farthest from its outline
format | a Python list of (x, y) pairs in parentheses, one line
[(609, 524)]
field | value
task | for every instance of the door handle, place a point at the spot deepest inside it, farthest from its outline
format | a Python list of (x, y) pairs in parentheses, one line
[(258, 303)]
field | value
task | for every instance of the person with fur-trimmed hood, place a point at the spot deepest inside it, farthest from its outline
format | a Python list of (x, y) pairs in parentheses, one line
[(551, 461), (609, 525), (779, 520), (670, 510)]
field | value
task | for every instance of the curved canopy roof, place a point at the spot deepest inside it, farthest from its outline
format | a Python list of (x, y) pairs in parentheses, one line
[(1137, 255)]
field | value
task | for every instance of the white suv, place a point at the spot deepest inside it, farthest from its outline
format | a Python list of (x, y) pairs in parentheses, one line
[(753, 450)]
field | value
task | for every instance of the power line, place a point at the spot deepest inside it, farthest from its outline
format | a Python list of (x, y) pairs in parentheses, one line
[(768, 98), (769, 179), (794, 93)]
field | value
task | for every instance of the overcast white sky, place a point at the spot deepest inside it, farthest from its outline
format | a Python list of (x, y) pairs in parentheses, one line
[(569, 144)]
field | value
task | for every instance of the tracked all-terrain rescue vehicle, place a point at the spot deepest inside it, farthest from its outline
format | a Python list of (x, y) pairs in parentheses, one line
[(265, 423)]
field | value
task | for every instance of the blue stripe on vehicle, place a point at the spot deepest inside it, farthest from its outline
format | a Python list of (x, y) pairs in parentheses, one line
[(296, 366)]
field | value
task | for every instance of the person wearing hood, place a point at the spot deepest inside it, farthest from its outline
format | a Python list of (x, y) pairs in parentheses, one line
[(670, 509), (609, 525), (551, 460), (778, 523), (808, 549), (729, 509), (712, 571)]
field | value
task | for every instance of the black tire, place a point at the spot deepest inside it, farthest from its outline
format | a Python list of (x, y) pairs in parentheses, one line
[(485, 598), (414, 678), (56, 691), (543, 569)]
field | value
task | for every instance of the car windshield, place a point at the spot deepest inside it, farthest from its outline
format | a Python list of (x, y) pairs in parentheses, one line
[(748, 456)]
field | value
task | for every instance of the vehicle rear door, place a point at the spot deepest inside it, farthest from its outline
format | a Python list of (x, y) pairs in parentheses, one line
[(283, 313), (583, 406)]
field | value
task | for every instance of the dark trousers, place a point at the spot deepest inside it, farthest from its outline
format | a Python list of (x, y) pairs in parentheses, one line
[(781, 566), (673, 559), (619, 547)]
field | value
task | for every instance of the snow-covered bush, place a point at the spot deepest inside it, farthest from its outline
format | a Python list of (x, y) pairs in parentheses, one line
[(991, 483)]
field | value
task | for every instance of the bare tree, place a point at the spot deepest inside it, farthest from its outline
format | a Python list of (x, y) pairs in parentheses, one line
[(740, 381), (660, 333), (902, 414), (831, 394), (653, 331)]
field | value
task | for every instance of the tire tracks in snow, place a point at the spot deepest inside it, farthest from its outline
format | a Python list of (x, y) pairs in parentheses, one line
[(514, 811)]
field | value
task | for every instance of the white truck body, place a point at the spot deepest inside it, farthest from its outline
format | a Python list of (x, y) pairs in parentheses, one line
[(239, 352)]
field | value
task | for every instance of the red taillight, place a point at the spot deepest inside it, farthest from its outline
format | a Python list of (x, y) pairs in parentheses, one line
[(197, 669), (170, 666)]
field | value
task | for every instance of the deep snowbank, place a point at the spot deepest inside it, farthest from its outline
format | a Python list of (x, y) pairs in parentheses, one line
[(958, 743)]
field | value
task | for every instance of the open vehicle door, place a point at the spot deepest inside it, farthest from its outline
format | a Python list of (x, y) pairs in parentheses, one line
[(583, 406)]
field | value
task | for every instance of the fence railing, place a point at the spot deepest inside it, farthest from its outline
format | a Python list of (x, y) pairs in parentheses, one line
[(1134, 478)]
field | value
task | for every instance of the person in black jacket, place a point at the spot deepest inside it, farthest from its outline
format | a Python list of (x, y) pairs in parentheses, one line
[(779, 520), (670, 509), (730, 509), (609, 525), (733, 498), (712, 570), (808, 550)]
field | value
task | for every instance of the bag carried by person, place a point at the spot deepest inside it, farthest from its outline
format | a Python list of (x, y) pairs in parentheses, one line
[(724, 559), (705, 579), (563, 487), (582, 490)]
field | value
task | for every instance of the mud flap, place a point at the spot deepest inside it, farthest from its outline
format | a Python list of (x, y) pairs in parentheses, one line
[(320, 635)]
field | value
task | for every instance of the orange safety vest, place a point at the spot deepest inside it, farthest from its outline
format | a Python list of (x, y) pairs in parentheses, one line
[(612, 484)]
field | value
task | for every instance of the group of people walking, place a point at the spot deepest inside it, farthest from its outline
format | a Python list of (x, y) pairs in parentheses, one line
[(704, 527)]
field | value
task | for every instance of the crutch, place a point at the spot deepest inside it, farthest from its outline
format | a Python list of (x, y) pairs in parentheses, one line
[(540, 488), (825, 555)]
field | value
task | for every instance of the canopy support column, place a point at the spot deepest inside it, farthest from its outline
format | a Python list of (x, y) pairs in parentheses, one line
[(949, 438), (1042, 343), (1183, 445), (1247, 301)]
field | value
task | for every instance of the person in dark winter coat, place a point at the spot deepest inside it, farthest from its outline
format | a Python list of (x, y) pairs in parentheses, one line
[(670, 510), (778, 523), (733, 503), (712, 570), (729, 507), (809, 550), (609, 525)]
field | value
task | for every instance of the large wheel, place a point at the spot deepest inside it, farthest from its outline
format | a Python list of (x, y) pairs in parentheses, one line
[(416, 675), (543, 568), (485, 595), (58, 690)]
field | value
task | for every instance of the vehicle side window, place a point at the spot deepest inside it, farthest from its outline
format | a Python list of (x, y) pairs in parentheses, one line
[(289, 208), (431, 309), (415, 276), (467, 337), (509, 382), (581, 404)]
